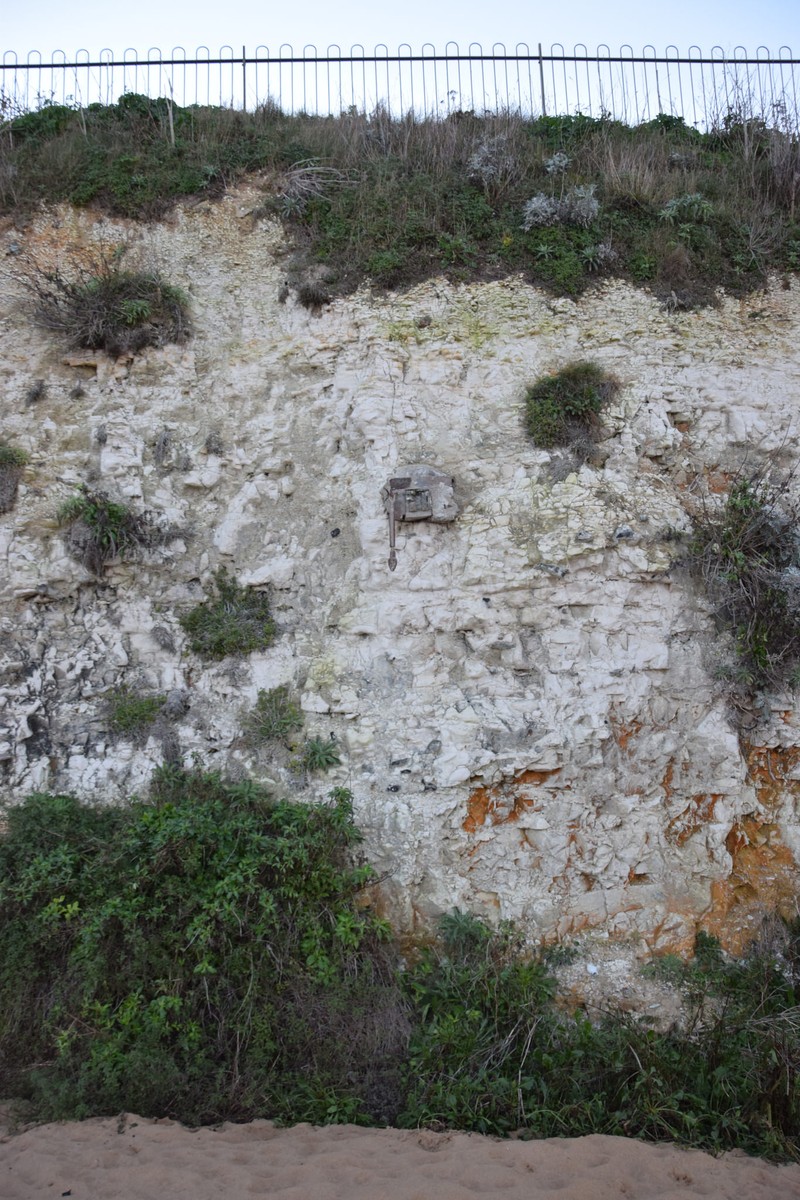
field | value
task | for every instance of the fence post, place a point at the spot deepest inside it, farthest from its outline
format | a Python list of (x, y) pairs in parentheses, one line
[(244, 79), (541, 81)]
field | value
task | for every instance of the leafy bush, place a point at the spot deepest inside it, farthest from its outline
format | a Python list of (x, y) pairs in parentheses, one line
[(99, 529), (747, 554), (234, 620), (199, 955), (107, 308), (562, 409), (12, 462), (131, 713), (274, 718)]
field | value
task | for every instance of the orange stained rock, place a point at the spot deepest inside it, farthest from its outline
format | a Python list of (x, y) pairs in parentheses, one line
[(770, 768), (764, 878), (504, 801), (698, 812), (718, 482), (623, 731), (666, 782)]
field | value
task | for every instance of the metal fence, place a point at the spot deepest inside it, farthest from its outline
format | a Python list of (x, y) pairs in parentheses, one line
[(626, 85)]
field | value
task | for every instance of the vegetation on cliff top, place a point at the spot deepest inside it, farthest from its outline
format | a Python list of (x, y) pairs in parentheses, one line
[(207, 954), (561, 200)]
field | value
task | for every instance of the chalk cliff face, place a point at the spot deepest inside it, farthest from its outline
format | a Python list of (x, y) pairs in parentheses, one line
[(526, 708)]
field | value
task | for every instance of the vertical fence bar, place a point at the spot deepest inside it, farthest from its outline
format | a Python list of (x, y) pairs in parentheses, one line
[(427, 109), (340, 100), (565, 106), (541, 82), (795, 110), (259, 54)]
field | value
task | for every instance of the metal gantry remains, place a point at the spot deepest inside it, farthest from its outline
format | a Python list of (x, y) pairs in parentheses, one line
[(418, 493)]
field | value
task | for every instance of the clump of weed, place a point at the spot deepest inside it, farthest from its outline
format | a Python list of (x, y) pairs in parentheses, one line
[(691, 207), (563, 409), (233, 620), (36, 392), (319, 754), (12, 462), (746, 552), (274, 718), (199, 955), (578, 206), (104, 307), (313, 294), (131, 713), (99, 529)]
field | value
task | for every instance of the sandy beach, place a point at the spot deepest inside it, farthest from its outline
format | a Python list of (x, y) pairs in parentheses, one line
[(128, 1158)]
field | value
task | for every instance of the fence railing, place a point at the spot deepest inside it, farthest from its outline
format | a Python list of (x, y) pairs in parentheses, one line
[(629, 86)]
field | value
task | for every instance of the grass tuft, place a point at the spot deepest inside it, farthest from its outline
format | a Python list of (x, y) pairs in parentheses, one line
[(319, 754), (745, 551), (131, 713), (99, 529), (233, 620), (563, 409), (274, 718), (12, 463), (107, 308)]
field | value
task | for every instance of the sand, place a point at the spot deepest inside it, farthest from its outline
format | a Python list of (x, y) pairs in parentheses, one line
[(134, 1159)]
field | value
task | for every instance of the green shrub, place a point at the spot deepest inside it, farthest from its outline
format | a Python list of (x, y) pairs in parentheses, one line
[(99, 529), (562, 409), (12, 462), (233, 620), (108, 308), (274, 718), (131, 713), (200, 955), (490, 1051), (319, 754)]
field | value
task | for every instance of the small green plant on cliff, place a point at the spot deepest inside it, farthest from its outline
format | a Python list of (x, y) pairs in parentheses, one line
[(319, 754), (12, 462), (99, 529), (199, 955), (563, 409), (746, 552), (233, 620), (103, 307), (131, 712), (274, 718)]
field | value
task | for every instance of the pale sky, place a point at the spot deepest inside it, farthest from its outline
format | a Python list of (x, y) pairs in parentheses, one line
[(97, 24)]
